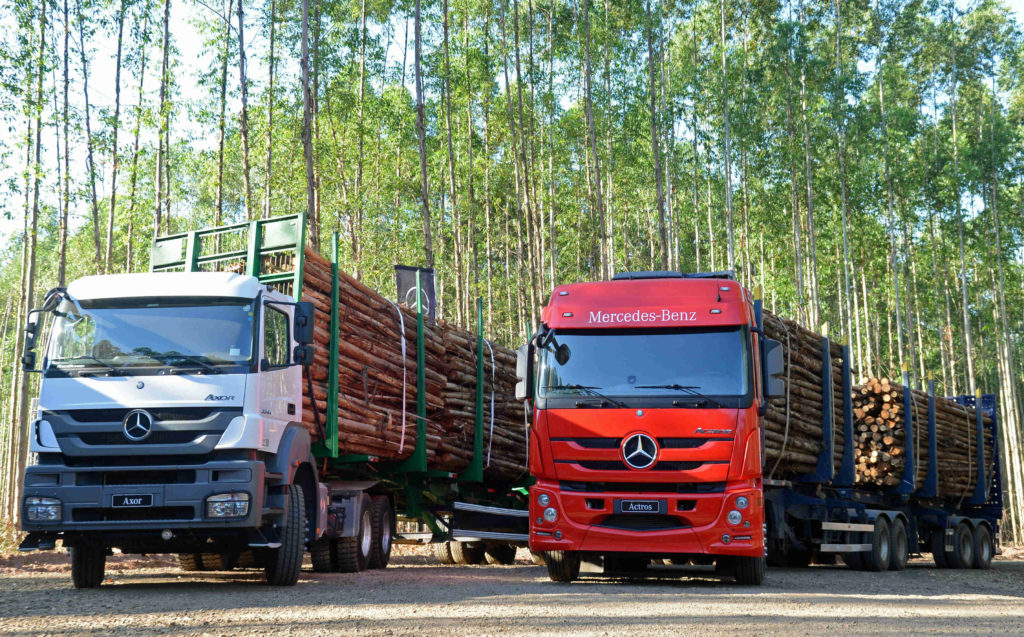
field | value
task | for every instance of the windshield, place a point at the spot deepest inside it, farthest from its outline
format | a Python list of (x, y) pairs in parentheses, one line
[(151, 333), (686, 364)]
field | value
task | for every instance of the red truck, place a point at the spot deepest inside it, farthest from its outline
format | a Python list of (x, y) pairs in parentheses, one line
[(648, 393)]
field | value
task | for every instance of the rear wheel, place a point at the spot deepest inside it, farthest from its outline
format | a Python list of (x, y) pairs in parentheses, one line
[(466, 553), (938, 547), (563, 566), (749, 571), (443, 552), (900, 546), (353, 553), (284, 563), (322, 555), (88, 565), (500, 554), (382, 519), (190, 562), (963, 547), (877, 559), (853, 560), (983, 548)]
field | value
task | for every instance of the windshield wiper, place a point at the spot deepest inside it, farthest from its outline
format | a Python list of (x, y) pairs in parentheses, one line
[(589, 390), (116, 370), (690, 389), (195, 360)]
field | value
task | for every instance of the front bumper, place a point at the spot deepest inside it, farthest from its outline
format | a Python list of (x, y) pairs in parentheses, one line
[(177, 493), (591, 522)]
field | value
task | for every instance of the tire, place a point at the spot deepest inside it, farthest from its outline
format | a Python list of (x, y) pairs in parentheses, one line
[(443, 553), (88, 565), (853, 560), (938, 546), (900, 546), (877, 559), (190, 562), (467, 553), (500, 554), (353, 553), (284, 563), (538, 558), (563, 566), (983, 547), (218, 561), (322, 554), (963, 547), (383, 532), (749, 571)]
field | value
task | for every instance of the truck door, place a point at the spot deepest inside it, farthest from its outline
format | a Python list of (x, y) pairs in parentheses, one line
[(279, 396)]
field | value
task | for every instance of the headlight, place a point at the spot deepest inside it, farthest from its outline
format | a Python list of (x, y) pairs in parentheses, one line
[(42, 509), (742, 502), (543, 499), (227, 505), (734, 517), (550, 514)]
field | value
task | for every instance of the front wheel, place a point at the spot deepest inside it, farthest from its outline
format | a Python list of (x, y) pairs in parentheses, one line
[(284, 563), (563, 566), (88, 565), (749, 571)]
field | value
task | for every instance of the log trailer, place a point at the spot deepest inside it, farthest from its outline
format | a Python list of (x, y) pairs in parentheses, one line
[(169, 420), (648, 395)]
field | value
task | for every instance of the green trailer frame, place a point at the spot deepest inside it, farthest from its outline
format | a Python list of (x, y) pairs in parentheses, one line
[(272, 250)]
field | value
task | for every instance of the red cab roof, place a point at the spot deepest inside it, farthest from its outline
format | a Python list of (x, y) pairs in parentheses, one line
[(651, 302)]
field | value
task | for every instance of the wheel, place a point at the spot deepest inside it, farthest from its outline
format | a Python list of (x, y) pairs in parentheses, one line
[(563, 566), (963, 547), (353, 553), (383, 526), (538, 558), (466, 553), (190, 562), (938, 546), (500, 554), (853, 560), (877, 559), (322, 553), (284, 563), (88, 564), (749, 571), (900, 544), (443, 552), (218, 561), (983, 549)]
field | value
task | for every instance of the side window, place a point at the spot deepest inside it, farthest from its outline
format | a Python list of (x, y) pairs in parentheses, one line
[(275, 336)]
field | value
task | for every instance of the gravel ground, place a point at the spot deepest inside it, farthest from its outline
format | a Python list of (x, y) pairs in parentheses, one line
[(415, 596)]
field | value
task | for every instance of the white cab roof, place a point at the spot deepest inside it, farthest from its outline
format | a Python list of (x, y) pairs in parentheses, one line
[(150, 284)]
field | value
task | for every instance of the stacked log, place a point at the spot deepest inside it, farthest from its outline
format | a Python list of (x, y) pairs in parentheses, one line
[(377, 384), (880, 430), (793, 423)]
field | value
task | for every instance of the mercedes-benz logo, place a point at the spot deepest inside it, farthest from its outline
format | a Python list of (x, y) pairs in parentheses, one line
[(639, 451), (138, 425)]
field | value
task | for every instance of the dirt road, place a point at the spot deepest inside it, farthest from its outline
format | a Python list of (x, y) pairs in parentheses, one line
[(415, 596)]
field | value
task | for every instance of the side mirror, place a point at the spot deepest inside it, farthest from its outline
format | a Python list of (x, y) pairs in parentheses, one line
[(562, 354), (773, 368), (303, 323), (302, 355), (31, 331), (524, 373), (28, 361)]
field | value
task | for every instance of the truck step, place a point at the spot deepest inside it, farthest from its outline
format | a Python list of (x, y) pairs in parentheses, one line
[(847, 526), (414, 538), (479, 508), (844, 548), (467, 535), (273, 510)]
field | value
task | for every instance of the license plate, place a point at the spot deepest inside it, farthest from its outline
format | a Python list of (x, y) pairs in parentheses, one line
[(133, 500), (640, 506)]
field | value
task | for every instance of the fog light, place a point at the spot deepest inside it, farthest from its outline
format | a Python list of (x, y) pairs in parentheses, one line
[(543, 499), (558, 535), (227, 505), (734, 517), (726, 539), (166, 535), (42, 509), (742, 502), (550, 514)]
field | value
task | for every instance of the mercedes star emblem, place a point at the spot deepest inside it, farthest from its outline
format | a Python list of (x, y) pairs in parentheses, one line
[(639, 451), (140, 385), (138, 425)]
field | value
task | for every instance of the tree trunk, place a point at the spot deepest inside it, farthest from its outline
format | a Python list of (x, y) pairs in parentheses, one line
[(588, 105), (356, 226), (90, 163), (114, 157), (219, 218), (726, 150), (659, 185), (243, 118), (421, 135), (307, 127), (158, 212), (62, 232), (270, 112), (447, 106)]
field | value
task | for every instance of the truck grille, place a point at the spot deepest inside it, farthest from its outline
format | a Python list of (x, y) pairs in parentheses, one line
[(121, 478), (159, 415), (643, 487), (642, 522), (618, 465), (155, 438), (129, 515)]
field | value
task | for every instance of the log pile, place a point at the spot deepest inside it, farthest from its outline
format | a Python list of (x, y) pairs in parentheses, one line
[(880, 431), (793, 424), (374, 377)]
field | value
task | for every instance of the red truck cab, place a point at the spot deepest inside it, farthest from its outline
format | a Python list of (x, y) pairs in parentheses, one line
[(646, 439)]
